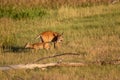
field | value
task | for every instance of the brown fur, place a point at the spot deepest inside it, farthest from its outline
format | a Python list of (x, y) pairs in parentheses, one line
[(37, 46), (49, 36)]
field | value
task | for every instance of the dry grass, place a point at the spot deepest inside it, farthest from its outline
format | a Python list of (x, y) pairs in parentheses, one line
[(94, 32), (53, 3)]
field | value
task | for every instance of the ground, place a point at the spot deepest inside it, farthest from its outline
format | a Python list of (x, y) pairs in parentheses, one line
[(93, 32)]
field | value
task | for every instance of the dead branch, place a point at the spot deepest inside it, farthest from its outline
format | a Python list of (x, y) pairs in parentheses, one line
[(58, 55), (32, 66), (114, 61), (104, 62), (59, 64), (65, 64)]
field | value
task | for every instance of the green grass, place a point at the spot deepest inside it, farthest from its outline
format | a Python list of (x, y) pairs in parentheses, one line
[(53, 3), (93, 31), (11, 12)]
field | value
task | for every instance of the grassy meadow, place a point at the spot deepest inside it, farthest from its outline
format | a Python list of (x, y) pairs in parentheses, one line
[(90, 30)]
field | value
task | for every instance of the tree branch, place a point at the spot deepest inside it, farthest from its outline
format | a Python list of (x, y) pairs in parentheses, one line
[(32, 66), (59, 64), (58, 55), (65, 64)]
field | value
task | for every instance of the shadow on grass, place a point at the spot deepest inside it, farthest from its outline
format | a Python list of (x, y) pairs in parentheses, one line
[(15, 49)]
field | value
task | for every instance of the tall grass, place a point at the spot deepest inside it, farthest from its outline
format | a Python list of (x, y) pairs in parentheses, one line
[(14, 13), (52, 3), (93, 32), (38, 8)]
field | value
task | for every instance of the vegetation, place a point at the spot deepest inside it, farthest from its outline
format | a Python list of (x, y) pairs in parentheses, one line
[(37, 8), (53, 3), (93, 32), (21, 13)]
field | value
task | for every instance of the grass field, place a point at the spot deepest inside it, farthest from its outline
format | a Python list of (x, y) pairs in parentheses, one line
[(94, 32)]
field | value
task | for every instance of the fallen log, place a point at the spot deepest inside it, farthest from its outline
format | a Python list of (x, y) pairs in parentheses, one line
[(68, 64), (58, 64), (32, 66)]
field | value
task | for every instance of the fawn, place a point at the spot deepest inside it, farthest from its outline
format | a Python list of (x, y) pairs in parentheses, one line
[(37, 46)]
